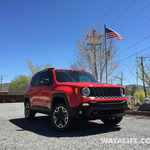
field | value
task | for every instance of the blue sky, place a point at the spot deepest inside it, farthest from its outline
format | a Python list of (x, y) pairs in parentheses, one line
[(47, 31)]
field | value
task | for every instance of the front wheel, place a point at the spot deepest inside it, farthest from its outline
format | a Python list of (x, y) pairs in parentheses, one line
[(60, 117), (111, 121)]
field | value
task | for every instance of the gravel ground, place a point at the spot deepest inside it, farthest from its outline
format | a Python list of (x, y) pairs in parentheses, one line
[(17, 133)]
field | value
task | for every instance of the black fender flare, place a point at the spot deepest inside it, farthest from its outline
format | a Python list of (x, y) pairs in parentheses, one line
[(27, 96), (60, 95)]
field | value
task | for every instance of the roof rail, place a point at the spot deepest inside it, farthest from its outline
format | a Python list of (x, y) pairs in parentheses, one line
[(49, 68), (44, 70)]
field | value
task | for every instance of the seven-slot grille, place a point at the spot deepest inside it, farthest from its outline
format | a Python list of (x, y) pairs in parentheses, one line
[(105, 92)]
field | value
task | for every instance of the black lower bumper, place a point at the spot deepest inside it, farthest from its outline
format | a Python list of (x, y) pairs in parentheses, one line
[(97, 110)]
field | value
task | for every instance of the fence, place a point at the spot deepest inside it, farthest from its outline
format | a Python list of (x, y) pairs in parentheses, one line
[(11, 98)]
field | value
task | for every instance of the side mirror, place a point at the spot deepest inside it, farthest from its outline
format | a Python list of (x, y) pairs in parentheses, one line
[(45, 82)]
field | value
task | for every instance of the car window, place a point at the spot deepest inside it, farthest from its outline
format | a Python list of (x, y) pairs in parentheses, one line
[(47, 75), (84, 79), (74, 76), (37, 79)]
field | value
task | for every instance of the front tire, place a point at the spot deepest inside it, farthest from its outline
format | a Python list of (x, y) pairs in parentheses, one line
[(111, 121), (29, 114), (60, 117)]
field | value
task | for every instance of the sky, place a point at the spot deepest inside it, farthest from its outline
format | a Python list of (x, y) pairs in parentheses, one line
[(47, 31)]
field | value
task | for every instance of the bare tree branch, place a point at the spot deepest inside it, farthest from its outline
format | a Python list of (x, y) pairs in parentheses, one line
[(35, 68), (85, 54)]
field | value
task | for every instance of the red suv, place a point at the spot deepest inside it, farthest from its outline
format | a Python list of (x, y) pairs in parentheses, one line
[(73, 94)]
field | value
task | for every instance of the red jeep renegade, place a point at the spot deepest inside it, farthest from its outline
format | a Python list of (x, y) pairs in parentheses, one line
[(73, 94)]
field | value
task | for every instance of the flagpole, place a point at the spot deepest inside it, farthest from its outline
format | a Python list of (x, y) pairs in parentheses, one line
[(105, 52)]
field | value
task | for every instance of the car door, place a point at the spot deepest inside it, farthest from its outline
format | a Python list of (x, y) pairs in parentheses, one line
[(35, 90), (46, 90)]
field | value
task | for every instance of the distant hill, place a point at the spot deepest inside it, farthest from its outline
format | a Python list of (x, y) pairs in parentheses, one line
[(139, 86), (131, 85), (148, 87), (5, 86)]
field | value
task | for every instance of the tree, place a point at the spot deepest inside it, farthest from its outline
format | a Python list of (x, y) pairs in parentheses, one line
[(145, 69), (128, 90), (141, 95), (147, 73), (134, 88), (144, 73), (90, 50), (35, 68), (19, 83)]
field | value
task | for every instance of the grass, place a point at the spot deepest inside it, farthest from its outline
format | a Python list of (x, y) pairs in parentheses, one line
[(13, 100)]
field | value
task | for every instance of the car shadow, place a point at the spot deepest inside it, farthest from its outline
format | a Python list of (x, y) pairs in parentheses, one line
[(42, 125)]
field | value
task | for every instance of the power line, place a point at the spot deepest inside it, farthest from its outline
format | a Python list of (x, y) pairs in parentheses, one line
[(133, 54), (134, 16), (111, 11), (133, 10), (116, 11), (133, 45), (106, 12), (124, 12)]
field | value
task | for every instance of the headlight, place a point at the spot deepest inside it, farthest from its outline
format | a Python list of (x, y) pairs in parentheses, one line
[(85, 91), (122, 93)]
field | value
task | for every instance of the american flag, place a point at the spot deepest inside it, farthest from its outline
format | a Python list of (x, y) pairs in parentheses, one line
[(111, 34)]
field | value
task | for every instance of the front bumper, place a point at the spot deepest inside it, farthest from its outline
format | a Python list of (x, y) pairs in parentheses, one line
[(97, 110)]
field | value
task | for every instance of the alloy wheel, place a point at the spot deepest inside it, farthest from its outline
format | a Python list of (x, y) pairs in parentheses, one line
[(60, 117)]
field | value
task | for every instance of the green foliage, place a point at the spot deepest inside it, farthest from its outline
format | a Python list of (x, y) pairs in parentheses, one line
[(35, 68), (130, 91), (141, 95), (19, 83), (145, 69), (134, 88), (127, 91), (13, 100)]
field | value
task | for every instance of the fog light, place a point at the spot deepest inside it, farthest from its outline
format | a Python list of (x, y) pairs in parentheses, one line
[(80, 112), (85, 104)]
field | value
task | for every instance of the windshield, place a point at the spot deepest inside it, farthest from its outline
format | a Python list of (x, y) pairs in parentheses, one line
[(74, 76)]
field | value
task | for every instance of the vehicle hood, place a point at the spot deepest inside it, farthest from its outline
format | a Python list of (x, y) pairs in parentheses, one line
[(87, 84)]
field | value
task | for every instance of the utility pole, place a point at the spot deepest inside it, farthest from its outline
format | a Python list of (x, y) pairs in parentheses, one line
[(121, 78), (137, 86), (93, 48), (143, 75), (137, 83), (1, 82)]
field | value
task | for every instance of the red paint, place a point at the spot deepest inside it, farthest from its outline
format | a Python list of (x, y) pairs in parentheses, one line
[(41, 95)]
